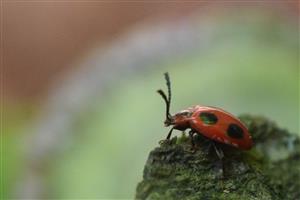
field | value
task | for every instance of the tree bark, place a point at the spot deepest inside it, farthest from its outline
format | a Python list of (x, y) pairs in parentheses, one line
[(271, 170)]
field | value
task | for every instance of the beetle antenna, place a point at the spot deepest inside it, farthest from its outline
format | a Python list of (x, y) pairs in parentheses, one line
[(164, 96), (168, 82)]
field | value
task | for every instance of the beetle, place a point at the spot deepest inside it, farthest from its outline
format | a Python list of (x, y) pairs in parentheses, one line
[(213, 123)]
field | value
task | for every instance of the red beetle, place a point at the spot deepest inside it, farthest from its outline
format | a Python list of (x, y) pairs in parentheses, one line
[(213, 123)]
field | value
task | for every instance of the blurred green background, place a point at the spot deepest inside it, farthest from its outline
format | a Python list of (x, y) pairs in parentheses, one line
[(248, 65)]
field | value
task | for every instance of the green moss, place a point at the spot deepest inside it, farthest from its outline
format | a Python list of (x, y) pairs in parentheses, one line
[(173, 171)]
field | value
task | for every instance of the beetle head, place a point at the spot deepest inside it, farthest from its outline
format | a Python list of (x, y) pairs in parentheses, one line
[(180, 120)]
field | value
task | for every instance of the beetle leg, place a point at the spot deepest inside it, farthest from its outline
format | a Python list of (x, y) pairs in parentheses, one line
[(219, 152), (167, 140), (191, 134), (169, 134), (220, 155)]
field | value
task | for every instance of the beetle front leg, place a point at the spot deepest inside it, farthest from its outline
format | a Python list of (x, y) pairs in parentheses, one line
[(169, 134), (167, 140)]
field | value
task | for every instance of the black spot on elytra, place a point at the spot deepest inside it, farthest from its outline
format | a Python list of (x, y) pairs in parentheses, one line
[(235, 131), (208, 118)]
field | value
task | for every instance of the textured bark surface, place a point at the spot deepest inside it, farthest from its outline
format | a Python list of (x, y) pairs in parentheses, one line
[(269, 171)]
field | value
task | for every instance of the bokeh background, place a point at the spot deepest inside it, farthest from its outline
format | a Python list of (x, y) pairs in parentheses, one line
[(80, 112)]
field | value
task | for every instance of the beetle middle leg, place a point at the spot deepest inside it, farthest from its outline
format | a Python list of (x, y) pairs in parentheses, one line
[(191, 135)]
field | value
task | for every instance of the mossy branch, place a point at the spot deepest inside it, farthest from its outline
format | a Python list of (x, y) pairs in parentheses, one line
[(271, 170)]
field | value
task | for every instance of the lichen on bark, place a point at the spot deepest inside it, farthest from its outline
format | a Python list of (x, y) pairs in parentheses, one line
[(269, 171)]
